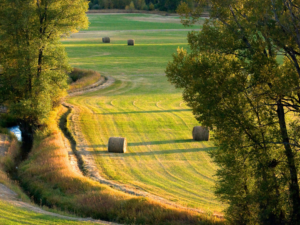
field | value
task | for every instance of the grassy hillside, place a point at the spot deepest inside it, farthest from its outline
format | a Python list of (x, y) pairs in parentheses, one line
[(13, 215), (162, 158), (13, 211), (49, 177)]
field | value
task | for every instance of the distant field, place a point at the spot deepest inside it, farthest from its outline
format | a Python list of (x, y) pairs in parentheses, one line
[(133, 22), (150, 55), (162, 158)]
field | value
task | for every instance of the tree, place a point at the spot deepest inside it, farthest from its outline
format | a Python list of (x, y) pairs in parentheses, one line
[(241, 78), (140, 4), (130, 6), (34, 62), (151, 6)]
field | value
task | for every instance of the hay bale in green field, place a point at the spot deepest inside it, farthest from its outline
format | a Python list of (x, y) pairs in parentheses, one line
[(117, 145), (106, 40), (200, 133), (130, 42)]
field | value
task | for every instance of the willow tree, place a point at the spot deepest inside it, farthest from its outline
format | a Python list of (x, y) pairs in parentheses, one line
[(241, 77), (33, 59)]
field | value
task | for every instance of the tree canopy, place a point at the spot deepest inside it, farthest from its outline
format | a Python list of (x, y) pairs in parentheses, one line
[(241, 78), (34, 62), (163, 5)]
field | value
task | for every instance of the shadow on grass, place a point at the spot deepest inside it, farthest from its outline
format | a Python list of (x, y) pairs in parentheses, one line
[(144, 143), (162, 152), (153, 111)]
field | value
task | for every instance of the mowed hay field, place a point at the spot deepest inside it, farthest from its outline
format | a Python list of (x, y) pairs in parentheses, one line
[(144, 107), (11, 214)]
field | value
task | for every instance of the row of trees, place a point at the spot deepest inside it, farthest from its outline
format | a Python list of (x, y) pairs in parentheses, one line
[(34, 62), (242, 79), (163, 5)]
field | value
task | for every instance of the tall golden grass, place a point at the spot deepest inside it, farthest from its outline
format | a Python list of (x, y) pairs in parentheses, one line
[(48, 176)]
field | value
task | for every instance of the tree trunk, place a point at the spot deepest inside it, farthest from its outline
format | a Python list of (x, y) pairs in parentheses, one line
[(294, 187), (27, 139)]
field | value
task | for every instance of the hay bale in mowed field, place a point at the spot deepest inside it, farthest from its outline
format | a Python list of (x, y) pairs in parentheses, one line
[(200, 133), (106, 40), (130, 42), (117, 145)]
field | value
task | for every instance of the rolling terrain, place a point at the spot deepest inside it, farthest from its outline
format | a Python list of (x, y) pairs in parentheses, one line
[(142, 106)]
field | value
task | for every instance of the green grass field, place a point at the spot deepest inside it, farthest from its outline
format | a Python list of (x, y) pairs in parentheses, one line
[(10, 214), (145, 108), (133, 22)]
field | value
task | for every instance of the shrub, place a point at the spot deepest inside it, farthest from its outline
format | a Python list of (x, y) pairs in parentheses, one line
[(146, 8), (96, 6), (151, 6), (80, 78), (130, 6)]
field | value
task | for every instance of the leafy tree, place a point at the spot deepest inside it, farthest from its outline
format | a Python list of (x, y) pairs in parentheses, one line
[(241, 77), (151, 6), (140, 4), (34, 62), (130, 6)]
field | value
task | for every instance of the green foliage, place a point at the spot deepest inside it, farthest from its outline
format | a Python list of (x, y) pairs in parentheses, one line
[(140, 4), (235, 85), (34, 62), (151, 6), (77, 74), (165, 5), (130, 6), (96, 6)]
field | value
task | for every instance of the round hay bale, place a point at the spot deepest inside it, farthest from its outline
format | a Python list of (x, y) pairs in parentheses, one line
[(200, 133), (117, 145), (130, 42), (106, 40)]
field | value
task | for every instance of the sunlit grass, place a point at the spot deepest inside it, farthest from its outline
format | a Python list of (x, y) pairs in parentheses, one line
[(145, 108), (127, 22), (10, 214), (50, 178)]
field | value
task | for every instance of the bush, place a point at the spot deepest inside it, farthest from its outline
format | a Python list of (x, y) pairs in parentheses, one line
[(151, 6), (130, 6), (77, 74), (96, 6), (80, 78), (146, 8)]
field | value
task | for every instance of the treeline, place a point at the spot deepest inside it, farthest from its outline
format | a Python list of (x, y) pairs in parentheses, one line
[(162, 5)]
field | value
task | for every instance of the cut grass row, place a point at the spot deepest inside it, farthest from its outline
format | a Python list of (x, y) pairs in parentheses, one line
[(48, 176)]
